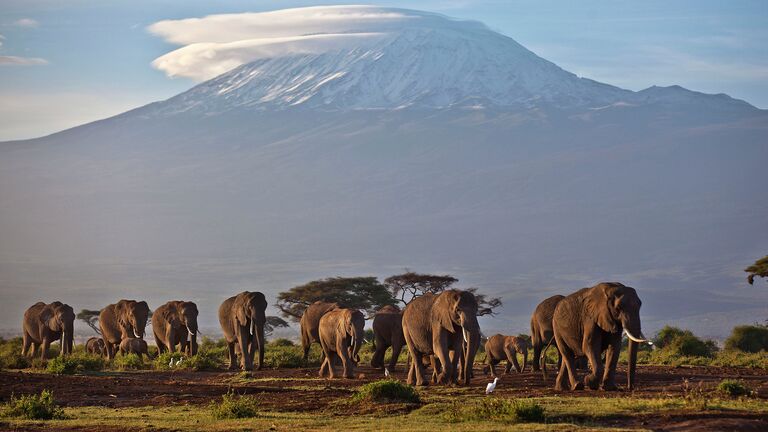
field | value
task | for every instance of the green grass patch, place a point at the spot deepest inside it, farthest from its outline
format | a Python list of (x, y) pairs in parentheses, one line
[(496, 410), (387, 391), (733, 388), (129, 361), (33, 407), (76, 363), (234, 406)]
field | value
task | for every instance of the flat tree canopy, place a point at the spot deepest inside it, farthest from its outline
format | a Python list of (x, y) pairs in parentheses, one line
[(364, 293), (759, 269), (409, 285)]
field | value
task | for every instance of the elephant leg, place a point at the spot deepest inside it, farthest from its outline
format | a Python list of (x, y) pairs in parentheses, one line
[(592, 350), (512, 361), (232, 356), (536, 355), (396, 348), (160, 344), (323, 368), (243, 340), (411, 373), (417, 367), (440, 348), (491, 366), (567, 369), (26, 343), (45, 345), (611, 359)]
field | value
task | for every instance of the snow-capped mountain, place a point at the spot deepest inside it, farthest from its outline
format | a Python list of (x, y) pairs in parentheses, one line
[(400, 139)]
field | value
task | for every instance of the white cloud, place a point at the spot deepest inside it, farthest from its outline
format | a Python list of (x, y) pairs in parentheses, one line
[(217, 43), (26, 22), (22, 61)]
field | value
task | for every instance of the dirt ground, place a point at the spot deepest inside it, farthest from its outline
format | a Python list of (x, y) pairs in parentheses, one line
[(300, 390)]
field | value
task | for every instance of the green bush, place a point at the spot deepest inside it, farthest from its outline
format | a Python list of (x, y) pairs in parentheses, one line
[(690, 345), (741, 359), (10, 354), (129, 361), (281, 342), (33, 407), (498, 410), (76, 363), (234, 406), (666, 335), (163, 361), (387, 391), (748, 338), (733, 388), (283, 357), (203, 360)]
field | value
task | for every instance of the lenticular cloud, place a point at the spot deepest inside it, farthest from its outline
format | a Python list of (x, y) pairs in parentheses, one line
[(217, 43)]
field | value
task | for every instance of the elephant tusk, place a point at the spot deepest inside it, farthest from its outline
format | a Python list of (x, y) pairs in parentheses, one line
[(191, 333), (636, 339), (464, 333), (136, 334)]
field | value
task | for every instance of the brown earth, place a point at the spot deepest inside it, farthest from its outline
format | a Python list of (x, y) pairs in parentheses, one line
[(299, 390)]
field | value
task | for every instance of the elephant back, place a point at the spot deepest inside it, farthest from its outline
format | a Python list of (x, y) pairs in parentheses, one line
[(32, 323), (310, 319), (417, 322)]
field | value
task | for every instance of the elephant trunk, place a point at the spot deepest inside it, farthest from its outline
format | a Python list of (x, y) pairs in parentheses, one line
[(471, 332), (632, 364)]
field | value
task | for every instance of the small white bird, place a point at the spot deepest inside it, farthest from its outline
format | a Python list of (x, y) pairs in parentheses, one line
[(179, 361), (491, 386), (386, 372), (170, 363)]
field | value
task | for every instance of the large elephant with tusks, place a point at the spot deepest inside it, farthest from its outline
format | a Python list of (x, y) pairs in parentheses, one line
[(443, 325), (242, 320), (46, 323), (124, 319), (590, 322)]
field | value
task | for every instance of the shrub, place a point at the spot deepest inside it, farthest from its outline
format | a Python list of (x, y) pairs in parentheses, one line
[(666, 335), (741, 359), (163, 361), (203, 360), (281, 342), (387, 391), (283, 357), (10, 354), (129, 361), (234, 406), (690, 345), (496, 409), (33, 407), (733, 388), (76, 363), (748, 338)]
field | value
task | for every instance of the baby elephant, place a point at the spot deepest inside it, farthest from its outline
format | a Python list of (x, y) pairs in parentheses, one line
[(135, 346), (95, 346), (500, 347)]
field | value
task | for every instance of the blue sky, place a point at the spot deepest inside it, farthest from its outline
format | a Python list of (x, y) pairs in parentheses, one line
[(66, 63)]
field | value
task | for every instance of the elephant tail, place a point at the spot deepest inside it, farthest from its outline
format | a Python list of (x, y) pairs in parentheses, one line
[(543, 358)]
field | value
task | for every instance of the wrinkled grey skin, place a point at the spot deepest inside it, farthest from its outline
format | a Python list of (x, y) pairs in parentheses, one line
[(387, 332), (46, 323), (499, 347), (175, 323), (341, 336), (124, 319), (591, 322), (242, 320), (134, 346), (441, 324)]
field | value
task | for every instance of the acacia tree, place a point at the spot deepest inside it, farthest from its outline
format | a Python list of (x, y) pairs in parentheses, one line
[(409, 285), (272, 323), (363, 293), (759, 269), (90, 317)]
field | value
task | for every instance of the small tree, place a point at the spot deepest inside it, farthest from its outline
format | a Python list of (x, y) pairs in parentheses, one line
[(409, 285), (90, 317), (759, 269), (273, 322), (748, 338), (363, 293)]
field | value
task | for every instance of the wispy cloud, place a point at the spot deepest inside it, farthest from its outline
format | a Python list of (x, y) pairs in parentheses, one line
[(217, 43), (26, 22), (22, 61)]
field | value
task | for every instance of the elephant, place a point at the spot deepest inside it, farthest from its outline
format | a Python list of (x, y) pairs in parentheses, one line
[(46, 323), (175, 323), (341, 334), (432, 324), (242, 320), (387, 332), (541, 330), (590, 322), (96, 346), (121, 320), (134, 346), (310, 323), (499, 347)]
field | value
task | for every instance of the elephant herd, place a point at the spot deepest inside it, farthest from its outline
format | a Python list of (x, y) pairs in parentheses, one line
[(439, 330)]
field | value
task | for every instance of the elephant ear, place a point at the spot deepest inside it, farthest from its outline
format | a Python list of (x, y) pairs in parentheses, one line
[(598, 303), (46, 314), (167, 313), (143, 306), (443, 309), (239, 307)]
